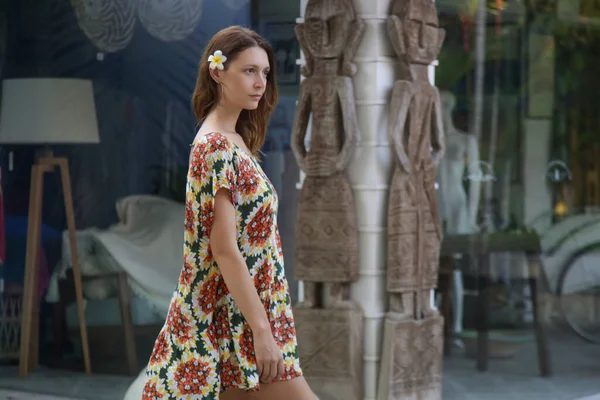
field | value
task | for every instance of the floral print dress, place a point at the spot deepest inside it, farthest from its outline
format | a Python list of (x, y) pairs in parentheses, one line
[(206, 344)]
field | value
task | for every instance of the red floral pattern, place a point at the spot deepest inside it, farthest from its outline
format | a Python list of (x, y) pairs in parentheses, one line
[(230, 375), (187, 273), (262, 278), (248, 182), (180, 325), (283, 330), (260, 226), (189, 216), (247, 344), (198, 167), (150, 392), (161, 351), (211, 292), (278, 286), (191, 376), (222, 326), (206, 217)]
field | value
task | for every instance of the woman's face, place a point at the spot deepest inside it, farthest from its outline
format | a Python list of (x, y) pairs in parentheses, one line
[(244, 80)]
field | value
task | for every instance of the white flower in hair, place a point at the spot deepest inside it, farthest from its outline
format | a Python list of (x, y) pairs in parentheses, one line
[(217, 60)]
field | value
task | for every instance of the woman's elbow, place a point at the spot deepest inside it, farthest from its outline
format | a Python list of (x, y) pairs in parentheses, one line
[(222, 246)]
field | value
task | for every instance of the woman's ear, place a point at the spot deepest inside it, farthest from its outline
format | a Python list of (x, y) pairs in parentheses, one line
[(216, 75)]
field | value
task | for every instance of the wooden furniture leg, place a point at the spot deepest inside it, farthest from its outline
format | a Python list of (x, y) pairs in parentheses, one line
[(29, 351), (124, 297), (541, 339), (63, 164), (483, 310), (128, 328), (29, 312)]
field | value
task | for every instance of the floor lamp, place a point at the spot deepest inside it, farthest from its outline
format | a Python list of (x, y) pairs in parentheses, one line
[(43, 112)]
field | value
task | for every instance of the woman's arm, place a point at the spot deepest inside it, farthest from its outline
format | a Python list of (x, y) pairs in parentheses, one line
[(223, 243)]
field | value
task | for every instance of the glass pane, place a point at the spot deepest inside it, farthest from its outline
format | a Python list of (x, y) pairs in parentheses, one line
[(519, 88)]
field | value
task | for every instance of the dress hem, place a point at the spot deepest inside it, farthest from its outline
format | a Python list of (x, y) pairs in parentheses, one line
[(257, 386)]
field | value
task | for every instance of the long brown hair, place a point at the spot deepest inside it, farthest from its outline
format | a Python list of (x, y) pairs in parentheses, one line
[(251, 124)]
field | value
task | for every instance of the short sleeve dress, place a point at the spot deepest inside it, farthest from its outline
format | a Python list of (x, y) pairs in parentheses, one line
[(206, 344)]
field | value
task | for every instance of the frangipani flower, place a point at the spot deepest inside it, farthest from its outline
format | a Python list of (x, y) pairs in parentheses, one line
[(217, 60)]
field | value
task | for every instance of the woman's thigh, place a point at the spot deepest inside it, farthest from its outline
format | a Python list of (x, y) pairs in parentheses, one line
[(234, 394), (294, 389)]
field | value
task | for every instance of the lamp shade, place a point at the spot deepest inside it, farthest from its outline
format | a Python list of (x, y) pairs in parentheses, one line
[(48, 111)]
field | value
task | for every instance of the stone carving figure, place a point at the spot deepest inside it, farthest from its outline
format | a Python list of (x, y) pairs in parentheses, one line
[(417, 136), (326, 229), (330, 329), (413, 329)]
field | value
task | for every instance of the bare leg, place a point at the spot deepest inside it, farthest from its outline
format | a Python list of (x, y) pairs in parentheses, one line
[(234, 394), (294, 389)]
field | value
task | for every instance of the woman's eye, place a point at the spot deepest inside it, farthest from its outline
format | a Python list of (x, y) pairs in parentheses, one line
[(250, 70)]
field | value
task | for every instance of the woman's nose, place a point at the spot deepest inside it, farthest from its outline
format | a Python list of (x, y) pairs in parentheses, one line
[(260, 81)]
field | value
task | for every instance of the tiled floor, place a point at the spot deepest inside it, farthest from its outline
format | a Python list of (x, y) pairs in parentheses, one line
[(12, 395), (64, 383), (576, 376)]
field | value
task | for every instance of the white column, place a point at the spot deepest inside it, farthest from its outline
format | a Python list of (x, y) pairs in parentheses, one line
[(370, 173)]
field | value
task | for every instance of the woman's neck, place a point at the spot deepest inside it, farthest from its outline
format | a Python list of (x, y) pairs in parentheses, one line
[(223, 118)]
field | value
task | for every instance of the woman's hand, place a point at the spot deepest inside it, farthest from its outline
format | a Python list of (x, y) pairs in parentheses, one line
[(269, 359)]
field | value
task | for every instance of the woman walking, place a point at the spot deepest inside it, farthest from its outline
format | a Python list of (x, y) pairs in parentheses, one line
[(230, 332)]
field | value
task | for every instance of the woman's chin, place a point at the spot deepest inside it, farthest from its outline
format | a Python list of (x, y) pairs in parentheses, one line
[(251, 106)]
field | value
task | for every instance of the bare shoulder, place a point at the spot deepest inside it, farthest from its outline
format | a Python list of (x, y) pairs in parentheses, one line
[(234, 139), (201, 134)]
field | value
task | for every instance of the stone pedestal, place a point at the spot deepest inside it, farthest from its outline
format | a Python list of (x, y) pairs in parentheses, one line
[(330, 342), (411, 367)]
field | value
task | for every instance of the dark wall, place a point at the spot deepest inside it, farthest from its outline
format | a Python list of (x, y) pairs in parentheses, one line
[(142, 100)]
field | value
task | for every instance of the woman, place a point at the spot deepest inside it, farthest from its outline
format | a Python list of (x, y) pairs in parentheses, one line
[(230, 328)]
